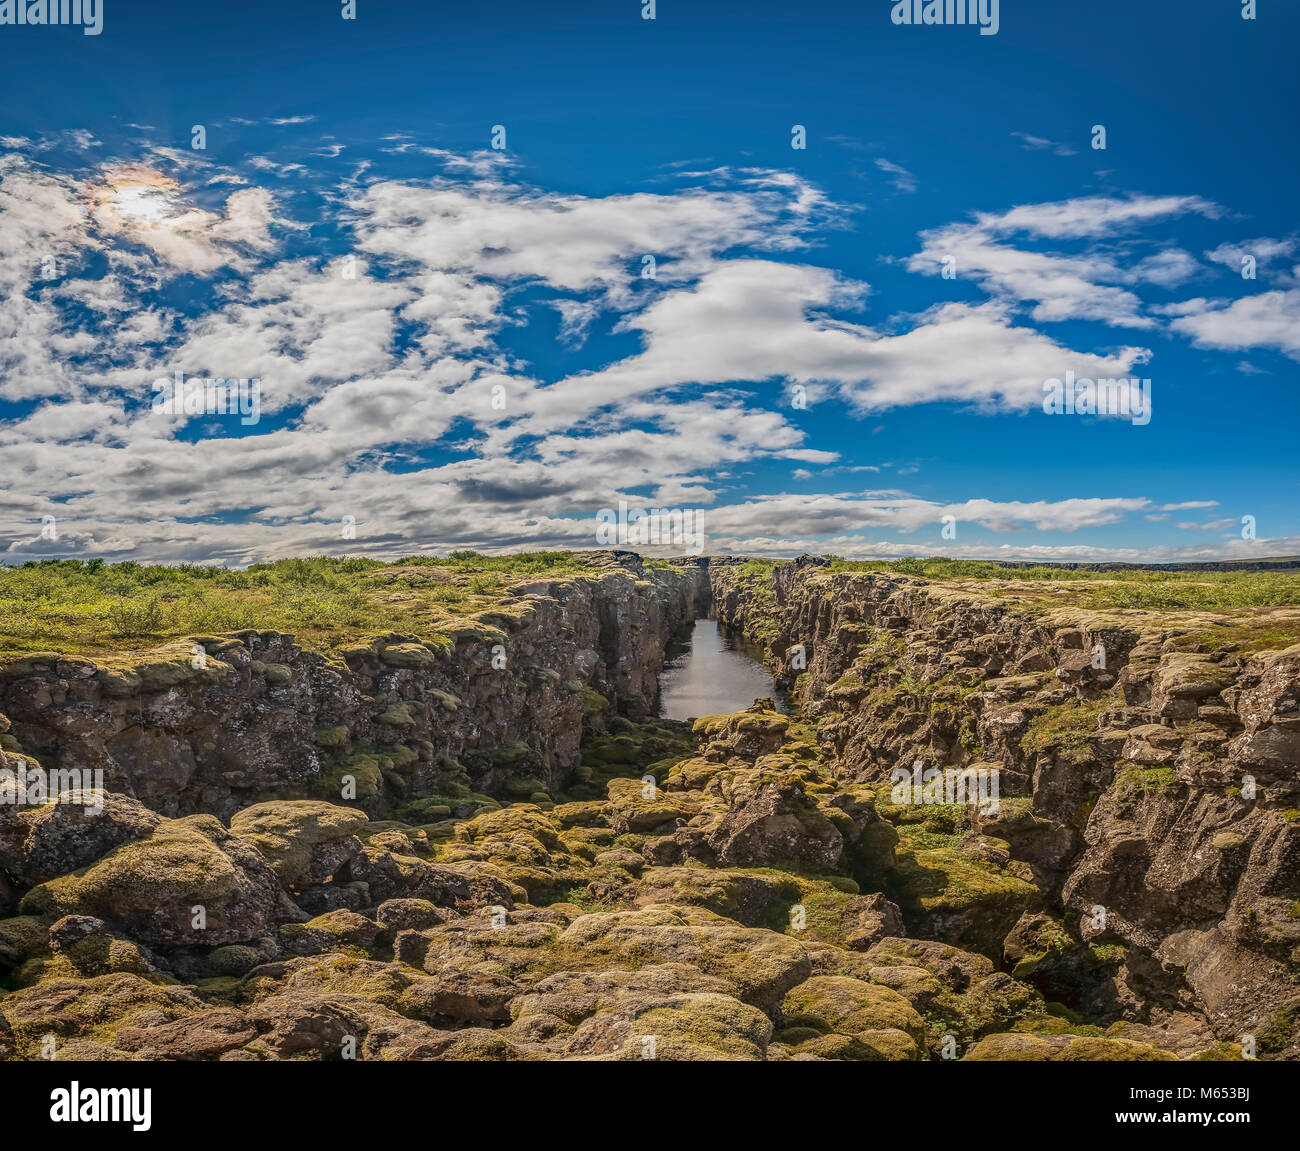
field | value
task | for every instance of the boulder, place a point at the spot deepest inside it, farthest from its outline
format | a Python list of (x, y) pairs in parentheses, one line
[(41, 843), (775, 823), (304, 841), (189, 882)]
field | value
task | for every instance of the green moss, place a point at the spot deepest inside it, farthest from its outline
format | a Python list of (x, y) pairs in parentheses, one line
[(850, 1007), (1015, 1046), (1132, 777), (963, 898), (705, 1027), (397, 715), (177, 865), (511, 752), (1222, 1052), (363, 768), (1065, 727), (332, 736), (1282, 1029)]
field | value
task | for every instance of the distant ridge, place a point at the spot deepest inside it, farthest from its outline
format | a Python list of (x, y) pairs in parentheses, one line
[(1271, 563), (1277, 563)]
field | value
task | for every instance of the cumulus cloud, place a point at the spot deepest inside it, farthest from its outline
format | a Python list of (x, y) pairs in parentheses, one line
[(754, 320), (392, 392), (1082, 286), (1264, 320)]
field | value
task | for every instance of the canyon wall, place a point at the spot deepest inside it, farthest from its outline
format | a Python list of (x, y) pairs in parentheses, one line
[(1142, 865), (1151, 787), (500, 696)]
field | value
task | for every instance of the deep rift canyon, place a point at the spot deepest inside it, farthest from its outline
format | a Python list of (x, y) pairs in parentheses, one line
[(480, 841)]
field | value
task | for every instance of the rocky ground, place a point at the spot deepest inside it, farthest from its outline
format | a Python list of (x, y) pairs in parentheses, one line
[(406, 852)]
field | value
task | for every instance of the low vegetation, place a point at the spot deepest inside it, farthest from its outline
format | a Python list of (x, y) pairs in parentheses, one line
[(90, 606), (1142, 588)]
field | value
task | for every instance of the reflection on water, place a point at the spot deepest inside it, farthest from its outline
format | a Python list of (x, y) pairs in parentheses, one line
[(716, 672)]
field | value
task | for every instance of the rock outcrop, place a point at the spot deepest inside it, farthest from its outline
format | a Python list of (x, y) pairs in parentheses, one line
[(404, 852), (211, 724), (1149, 779)]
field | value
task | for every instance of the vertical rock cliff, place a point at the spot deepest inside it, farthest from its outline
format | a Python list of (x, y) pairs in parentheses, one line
[(1150, 781), (211, 723)]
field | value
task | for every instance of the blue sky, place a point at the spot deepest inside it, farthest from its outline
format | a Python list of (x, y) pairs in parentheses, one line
[(349, 238)]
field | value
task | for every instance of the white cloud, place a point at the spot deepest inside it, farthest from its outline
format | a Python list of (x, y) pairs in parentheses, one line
[(1040, 144), (1213, 526), (1085, 286), (1265, 251), (388, 363), (754, 320), (1265, 320), (1090, 217), (903, 180)]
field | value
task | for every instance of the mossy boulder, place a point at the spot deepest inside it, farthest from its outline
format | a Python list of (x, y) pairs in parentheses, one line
[(43, 842), (92, 1009), (519, 818), (328, 932), (1013, 1047), (886, 1044), (748, 734), (664, 1011), (303, 841), (852, 1007), (948, 894), (751, 899), (775, 822), (170, 666), (233, 959), (406, 655), (637, 807), (759, 966), (190, 882)]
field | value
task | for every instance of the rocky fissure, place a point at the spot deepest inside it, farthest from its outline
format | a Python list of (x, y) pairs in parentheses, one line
[(210, 723), (481, 844), (1153, 791)]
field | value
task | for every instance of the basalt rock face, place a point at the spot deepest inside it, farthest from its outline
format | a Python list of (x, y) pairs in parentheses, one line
[(652, 919), (210, 724), (530, 867), (1149, 787)]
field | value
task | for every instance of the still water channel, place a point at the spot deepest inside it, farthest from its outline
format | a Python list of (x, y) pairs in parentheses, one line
[(714, 671)]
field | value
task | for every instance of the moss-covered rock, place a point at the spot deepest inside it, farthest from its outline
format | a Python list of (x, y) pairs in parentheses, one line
[(190, 882), (1008, 1047), (851, 1007), (640, 807), (304, 841), (92, 1009)]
